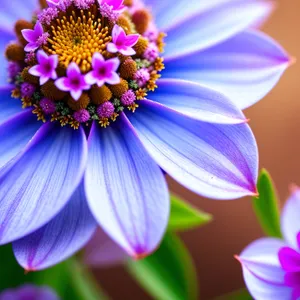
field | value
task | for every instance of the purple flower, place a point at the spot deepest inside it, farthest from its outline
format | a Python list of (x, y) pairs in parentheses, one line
[(271, 266), (106, 110), (104, 71), (81, 116), (29, 292), (48, 106), (141, 77), (27, 89), (59, 184), (35, 37), (74, 83), (46, 67), (128, 98), (121, 42)]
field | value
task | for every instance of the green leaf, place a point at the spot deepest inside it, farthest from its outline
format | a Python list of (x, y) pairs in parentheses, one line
[(169, 273), (11, 274), (69, 279), (184, 216), (241, 294), (266, 205)]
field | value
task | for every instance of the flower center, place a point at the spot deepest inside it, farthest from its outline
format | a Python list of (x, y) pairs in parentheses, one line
[(76, 38), (81, 61)]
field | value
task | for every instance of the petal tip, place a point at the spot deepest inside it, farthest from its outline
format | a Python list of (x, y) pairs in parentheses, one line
[(294, 188), (237, 258)]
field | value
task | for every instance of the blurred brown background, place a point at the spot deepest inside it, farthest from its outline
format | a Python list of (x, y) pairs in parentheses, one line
[(276, 123)]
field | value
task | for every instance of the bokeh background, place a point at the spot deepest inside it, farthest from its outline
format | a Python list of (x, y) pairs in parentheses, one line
[(276, 124)]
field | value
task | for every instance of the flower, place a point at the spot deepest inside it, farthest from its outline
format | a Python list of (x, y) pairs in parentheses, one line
[(28, 291), (271, 266), (104, 71), (46, 67), (121, 42), (63, 178), (35, 37), (74, 83)]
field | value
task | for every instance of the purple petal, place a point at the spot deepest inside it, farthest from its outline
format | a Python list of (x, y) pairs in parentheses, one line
[(36, 187), (64, 235), (113, 78), (126, 190), (263, 290), (31, 47), (38, 29), (36, 71), (111, 47), (62, 84), (9, 14), (289, 259), (204, 30), (14, 135), (290, 219), (197, 101), (8, 105), (164, 11), (245, 68), (76, 94), (217, 161), (73, 70), (262, 271), (131, 40), (102, 251), (127, 51), (29, 35), (29, 292)]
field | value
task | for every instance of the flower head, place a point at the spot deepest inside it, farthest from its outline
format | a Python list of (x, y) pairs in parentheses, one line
[(46, 68), (75, 82), (35, 37), (94, 158), (104, 71), (271, 266), (121, 42)]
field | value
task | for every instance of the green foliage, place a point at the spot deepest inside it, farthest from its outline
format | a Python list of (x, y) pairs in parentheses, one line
[(184, 216), (69, 279), (266, 205), (241, 294), (167, 274)]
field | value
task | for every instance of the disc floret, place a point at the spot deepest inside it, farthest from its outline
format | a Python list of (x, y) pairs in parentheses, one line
[(81, 61)]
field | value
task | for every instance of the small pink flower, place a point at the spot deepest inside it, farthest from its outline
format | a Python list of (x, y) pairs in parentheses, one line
[(121, 42), (46, 67), (35, 37), (74, 83), (104, 71)]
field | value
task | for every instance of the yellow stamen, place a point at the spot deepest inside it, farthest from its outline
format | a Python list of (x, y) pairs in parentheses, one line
[(77, 38)]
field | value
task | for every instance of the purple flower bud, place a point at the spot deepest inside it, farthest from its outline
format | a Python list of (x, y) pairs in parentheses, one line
[(27, 89), (81, 116), (141, 77), (106, 110), (128, 98), (48, 106)]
